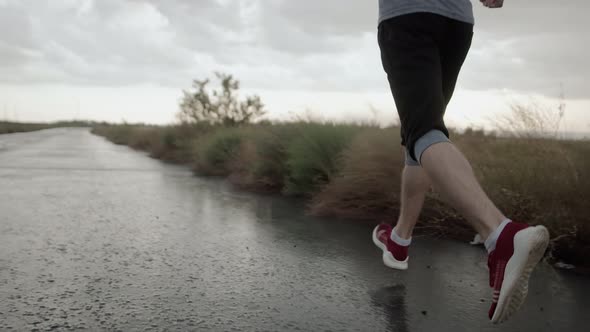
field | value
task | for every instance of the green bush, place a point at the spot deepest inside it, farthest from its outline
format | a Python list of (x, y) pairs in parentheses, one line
[(270, 168), (313, 155), (214, 153)]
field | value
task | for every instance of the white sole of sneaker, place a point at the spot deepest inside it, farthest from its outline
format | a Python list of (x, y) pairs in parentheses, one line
[(529, 246), (388, 258)]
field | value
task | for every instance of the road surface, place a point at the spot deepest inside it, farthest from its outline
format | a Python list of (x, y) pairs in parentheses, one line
[(95, 236)]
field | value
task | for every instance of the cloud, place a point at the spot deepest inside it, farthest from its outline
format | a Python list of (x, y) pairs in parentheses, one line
[(327, 45), (531, 47), (328, 17)]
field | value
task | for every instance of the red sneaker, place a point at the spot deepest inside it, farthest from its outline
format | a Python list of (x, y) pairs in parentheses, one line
[(518, 250), (394, 255)]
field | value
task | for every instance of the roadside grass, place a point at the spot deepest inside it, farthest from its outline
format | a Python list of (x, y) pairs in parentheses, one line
[(9, 127), (353, 170)]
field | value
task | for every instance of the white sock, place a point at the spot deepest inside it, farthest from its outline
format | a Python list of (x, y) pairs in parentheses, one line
[(490, 242), (397, 239)]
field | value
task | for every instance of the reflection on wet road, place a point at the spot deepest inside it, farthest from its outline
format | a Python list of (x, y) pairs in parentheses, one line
[(99, 237)]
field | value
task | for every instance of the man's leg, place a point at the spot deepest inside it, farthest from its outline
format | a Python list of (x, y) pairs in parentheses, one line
[(449, 170), (411, 58), (395, 241), (415, 185), (514, 248), (422, 66), (452, 175)]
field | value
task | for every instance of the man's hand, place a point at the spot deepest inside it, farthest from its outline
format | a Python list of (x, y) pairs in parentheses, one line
[(492, 3)]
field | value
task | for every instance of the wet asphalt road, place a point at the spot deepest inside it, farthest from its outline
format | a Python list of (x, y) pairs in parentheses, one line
[(95, 236)]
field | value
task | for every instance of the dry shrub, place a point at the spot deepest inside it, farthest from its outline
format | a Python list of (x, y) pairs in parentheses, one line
[(539, 181), (369, 181), (531, 120), (143, 138), (533, 179)]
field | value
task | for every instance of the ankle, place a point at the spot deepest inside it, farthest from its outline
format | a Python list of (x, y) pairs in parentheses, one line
[(399, 240), (403, 233), (490, 240)]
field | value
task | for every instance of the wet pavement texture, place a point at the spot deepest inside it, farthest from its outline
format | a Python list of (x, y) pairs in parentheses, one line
[(96, 236)]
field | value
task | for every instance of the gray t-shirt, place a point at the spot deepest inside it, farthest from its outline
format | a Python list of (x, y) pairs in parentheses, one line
[(456, 9)]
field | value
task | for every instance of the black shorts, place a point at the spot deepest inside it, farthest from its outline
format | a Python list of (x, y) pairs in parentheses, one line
[(422, 54)]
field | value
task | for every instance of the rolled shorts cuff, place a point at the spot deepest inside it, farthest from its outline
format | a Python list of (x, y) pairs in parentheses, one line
[(428, 139), (409, 160)]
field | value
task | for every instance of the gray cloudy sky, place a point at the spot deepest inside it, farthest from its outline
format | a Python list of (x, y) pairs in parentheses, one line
[(114, 59)]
